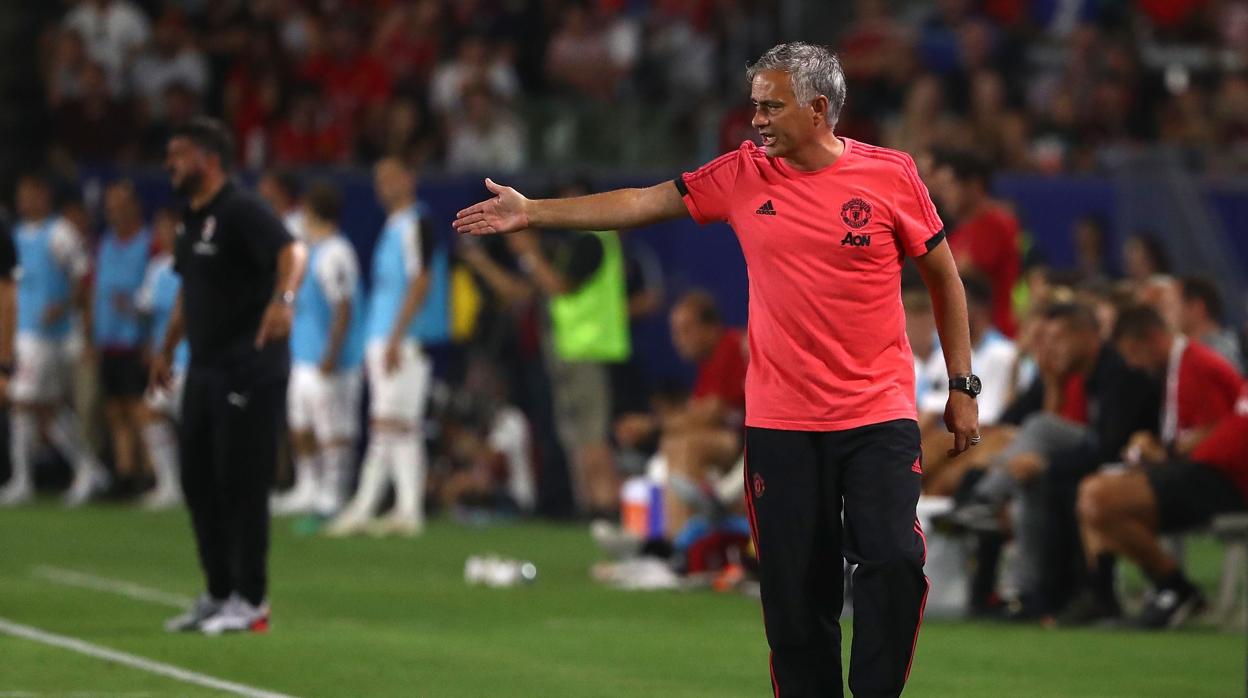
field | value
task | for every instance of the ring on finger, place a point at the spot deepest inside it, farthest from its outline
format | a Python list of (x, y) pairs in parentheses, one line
[(974, 440)]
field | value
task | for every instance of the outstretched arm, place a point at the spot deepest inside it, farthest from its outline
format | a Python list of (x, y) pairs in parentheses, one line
[(510, 210)]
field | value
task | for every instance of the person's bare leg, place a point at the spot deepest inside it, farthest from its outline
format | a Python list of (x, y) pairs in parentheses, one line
[(693, 457), (133, 415), (120, 435), (1118, 514), (601, 482), (676, 511)]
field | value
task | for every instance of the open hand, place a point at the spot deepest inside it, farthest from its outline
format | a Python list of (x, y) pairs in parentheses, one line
[(505, 213)]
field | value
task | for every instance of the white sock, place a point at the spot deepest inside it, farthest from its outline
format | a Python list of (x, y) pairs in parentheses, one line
[(162, 448), (65, 433), (22, 428), (305, 474), (408, 466), (334, 463), (374, 476)]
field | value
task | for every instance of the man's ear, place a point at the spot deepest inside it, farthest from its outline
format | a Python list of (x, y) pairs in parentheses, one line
[(819, 105)]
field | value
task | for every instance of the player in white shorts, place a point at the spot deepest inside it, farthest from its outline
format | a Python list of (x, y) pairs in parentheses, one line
[(327, 350), (162, 406), (53, 265), (399, 373)]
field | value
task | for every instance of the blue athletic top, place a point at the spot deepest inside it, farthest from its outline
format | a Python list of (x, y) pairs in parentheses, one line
[(50, 256), (119, 271), (397, 259), (332, 276), (156, 298)]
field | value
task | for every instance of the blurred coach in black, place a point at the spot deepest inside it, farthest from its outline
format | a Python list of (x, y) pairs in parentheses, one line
[(240, 269)]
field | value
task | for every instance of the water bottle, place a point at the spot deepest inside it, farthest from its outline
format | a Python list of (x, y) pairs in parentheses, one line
[(498, 573)]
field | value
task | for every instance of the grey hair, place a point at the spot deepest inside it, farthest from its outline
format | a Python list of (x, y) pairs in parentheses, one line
[(814, 70)]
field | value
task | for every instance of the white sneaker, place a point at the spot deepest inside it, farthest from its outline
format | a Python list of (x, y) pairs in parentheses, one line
[(236, 616), (326, 504), (402, 525), (87, 483), (204, 608), (293, 502), (613, 540), (162, 499), (16, 493), (347, 524)]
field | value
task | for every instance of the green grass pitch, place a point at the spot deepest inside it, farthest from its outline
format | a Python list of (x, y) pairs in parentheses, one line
[(392, 617)]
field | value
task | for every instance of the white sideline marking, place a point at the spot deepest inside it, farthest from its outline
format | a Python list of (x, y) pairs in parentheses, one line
[(26, 632), (120, 587)]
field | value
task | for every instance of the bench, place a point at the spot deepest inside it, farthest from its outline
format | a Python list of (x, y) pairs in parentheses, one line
[(1232, 531)]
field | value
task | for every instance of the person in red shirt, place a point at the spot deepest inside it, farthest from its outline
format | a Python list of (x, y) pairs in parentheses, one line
[(702, 437), (986, 238), (825, 223), (1122, 512)]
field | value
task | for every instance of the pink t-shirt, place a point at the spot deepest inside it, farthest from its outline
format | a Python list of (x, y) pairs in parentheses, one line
[(824, 249)]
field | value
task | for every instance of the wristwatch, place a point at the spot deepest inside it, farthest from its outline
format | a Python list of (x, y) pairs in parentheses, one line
[(969, 384)]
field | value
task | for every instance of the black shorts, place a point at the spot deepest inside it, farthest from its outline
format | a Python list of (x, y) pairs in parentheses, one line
[(122, 374), (1189, 495)]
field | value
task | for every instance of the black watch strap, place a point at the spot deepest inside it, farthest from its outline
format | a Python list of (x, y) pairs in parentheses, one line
[(969, 384)]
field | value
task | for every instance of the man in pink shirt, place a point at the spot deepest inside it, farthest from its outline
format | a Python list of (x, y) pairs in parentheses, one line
[(825, 224)]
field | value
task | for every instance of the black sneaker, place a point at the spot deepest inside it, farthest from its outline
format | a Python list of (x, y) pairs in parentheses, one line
[(972, 517), (1170, 608), (1086, 609)]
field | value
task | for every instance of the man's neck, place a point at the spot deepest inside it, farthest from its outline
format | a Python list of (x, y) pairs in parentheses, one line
[(128, 230), (318, 233), (824, 150), (402, 206), (212, 186), (1202, 327)]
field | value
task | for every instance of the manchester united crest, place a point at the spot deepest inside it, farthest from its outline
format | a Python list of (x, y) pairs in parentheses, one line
[(759, 487), (856, 213)]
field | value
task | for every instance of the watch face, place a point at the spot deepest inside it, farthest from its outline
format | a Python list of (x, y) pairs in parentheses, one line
[(974, 384)]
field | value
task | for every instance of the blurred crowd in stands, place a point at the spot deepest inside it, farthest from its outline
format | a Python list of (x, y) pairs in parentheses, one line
[(1031, 85)]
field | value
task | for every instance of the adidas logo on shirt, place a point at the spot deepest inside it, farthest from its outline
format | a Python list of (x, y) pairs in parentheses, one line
[(766, 209)]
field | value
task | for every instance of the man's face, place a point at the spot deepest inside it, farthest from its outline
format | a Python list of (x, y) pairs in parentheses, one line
[(164, 231), (690, 335), (273, 194), (1056, 351), (185, 163), (118, 207), (783, 123), (34, 201), (1140, 354), (947, 189), (1192, 316), (391, 182)]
